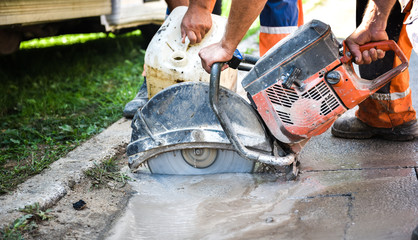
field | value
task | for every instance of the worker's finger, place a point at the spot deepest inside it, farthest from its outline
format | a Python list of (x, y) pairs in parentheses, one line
[(198, 38), (380, 53), (207, 66), (183, 35), (373, 54), (225, 66), (204, 61), (202, 34), (192, 37), (358, 59), (214, 53), (366, 57), (183, 38), (355, 52)]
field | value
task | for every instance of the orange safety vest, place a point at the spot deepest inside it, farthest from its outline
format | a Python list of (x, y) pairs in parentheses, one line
[(278, 19)]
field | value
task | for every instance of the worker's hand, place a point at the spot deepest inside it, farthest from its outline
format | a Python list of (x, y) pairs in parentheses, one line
[(216, 52), (195, 24), (362, 35)]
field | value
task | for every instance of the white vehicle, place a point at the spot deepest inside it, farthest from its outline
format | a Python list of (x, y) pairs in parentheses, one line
[(26, 19)]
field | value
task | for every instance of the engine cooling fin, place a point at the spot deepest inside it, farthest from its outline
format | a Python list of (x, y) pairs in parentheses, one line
[(303, 109)]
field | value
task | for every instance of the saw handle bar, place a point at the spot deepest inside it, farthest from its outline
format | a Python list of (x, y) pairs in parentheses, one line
[(388, 45), (230, 132)]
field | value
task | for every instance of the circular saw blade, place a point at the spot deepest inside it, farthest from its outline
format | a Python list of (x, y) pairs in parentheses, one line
[(226, 161)]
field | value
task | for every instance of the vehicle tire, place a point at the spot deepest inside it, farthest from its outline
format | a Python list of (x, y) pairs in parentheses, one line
[(9, 41)]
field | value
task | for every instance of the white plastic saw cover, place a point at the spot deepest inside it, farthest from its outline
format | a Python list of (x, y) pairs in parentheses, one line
[(169, 61)]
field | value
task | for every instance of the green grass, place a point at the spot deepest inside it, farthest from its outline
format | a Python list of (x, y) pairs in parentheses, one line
[(26, 224), (57, 92), (107, 174)]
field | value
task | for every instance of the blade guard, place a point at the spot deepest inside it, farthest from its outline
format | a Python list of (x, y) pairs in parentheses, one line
[(180, 117)]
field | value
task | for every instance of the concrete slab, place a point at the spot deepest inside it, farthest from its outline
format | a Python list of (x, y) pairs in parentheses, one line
[(350, 204), (380, 204), (384, 208), (326, 152)]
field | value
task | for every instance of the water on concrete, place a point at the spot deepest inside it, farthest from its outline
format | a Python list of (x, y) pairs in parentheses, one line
[(353, 204)]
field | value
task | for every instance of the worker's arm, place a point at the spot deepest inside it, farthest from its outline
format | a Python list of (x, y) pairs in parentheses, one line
[(242, 15), (197, 21), (371, 29)]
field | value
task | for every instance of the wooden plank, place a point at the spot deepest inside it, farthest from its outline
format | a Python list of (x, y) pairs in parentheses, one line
[(132, 13), (31, 11)]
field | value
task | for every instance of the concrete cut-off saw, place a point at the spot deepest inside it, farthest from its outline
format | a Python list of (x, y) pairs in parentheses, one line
[(295, 91)]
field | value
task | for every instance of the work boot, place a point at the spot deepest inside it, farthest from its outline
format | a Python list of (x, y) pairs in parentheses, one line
[(415, 234), (353, 128), (139, 101)]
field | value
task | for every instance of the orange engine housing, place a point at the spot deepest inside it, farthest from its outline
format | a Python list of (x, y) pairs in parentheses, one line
[(305, 82)]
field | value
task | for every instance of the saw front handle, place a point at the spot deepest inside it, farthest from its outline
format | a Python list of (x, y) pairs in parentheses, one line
[(230, 131)]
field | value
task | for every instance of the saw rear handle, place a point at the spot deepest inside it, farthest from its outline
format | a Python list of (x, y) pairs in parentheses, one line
[(226, 123), (386, 46), (363, 87)]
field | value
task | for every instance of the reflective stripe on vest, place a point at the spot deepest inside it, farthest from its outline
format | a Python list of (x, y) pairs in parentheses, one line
[(391, 96), (278, 30)]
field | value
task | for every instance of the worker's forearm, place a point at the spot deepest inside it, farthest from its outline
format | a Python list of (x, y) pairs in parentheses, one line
[(377, 14), (242, 15)]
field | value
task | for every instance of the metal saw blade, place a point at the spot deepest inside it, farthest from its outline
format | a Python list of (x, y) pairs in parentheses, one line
[(207, 161)]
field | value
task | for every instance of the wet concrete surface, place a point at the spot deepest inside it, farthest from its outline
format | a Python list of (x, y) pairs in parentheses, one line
[(347, 189), (344, 204)]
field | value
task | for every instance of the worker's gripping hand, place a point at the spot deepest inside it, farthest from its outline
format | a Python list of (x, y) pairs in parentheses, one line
[(361, 36), (215, 53), (195, 24)]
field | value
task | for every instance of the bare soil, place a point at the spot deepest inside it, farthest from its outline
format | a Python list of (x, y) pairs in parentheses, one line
[(103, 206)]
